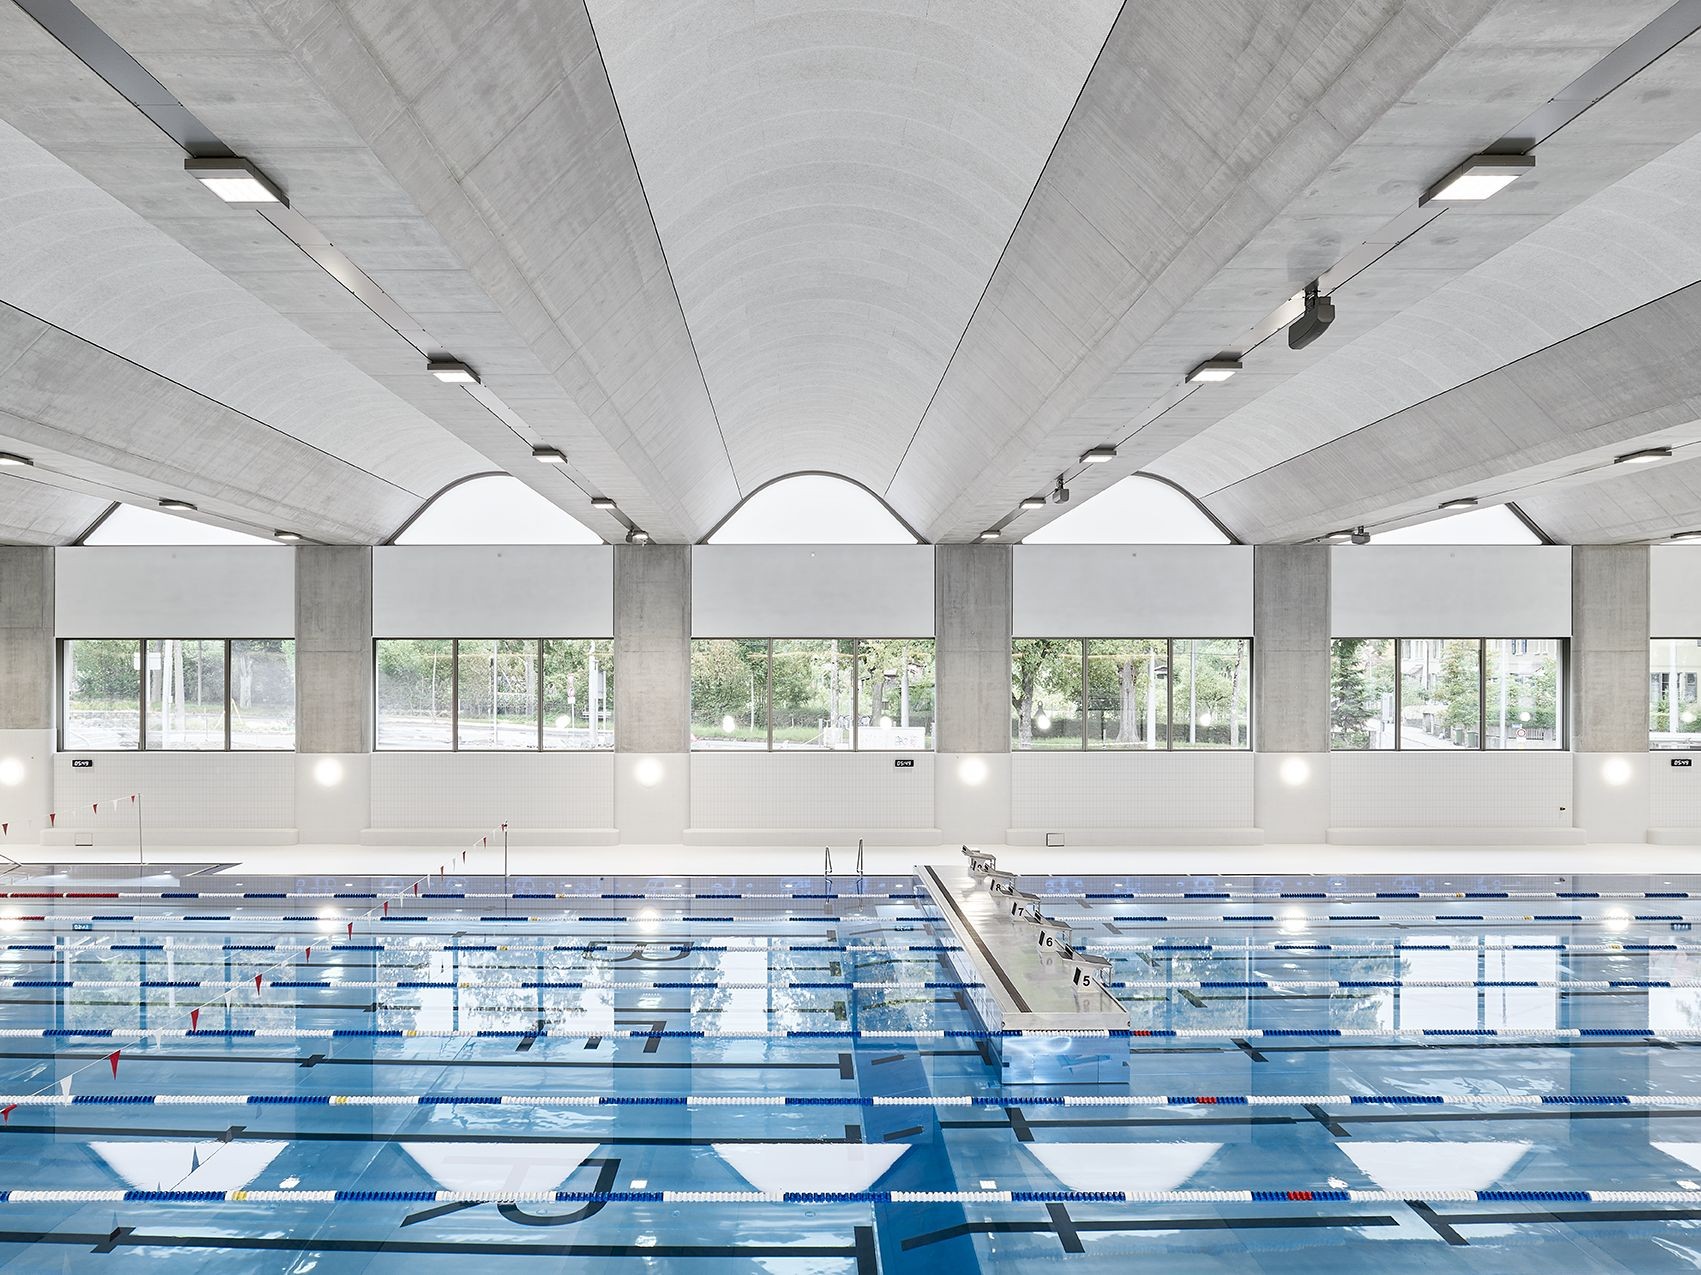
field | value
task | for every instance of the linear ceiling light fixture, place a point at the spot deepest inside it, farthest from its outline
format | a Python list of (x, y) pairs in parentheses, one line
[(11, 459), (1098, 455), (235, 180), (1213, 370), (1339, 537), (1647, 456), (604, 503), (172, 502), (1459, 502), (549, 455), (1686, 535), (1033, 502), (1479, 177), (452, 372), (992, 533), (288, 537)]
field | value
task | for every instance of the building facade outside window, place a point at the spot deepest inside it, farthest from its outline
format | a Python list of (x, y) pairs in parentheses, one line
[(1674, 693), (1130, 693), (177, 694), (1446, 694), (494, 694), (812, 694)]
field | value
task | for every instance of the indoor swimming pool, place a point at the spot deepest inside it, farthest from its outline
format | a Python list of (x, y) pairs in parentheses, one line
[(230, 1072)]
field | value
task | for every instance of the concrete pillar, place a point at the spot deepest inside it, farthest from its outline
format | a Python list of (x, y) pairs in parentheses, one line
[(1609, 690), (27, 677), (972, 600), (652, 692), (1290, 652), (333, 692)]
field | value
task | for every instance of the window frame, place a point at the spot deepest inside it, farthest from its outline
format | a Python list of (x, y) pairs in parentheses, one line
[(539, 647), (1690, 747), (854, 656), (1168, 722), (1562, 664), (141, 646)]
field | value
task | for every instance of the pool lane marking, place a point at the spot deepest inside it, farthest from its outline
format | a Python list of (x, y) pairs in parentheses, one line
[(1320, 1195), (785, 984), (1225, 1032), (928, 1101)]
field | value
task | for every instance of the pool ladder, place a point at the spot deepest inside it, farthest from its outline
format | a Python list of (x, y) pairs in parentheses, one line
[(827, 859)]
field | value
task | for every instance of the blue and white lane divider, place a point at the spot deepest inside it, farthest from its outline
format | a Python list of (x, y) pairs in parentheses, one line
[(499, 984), (912, 895), (565, 1031), (1321, 1195), (930, 1101), (838, 985), (404, 917)]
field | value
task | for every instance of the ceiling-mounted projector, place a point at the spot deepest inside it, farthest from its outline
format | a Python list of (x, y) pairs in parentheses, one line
[(1313, 322)]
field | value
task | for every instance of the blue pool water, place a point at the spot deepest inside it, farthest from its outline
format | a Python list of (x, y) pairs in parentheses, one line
[(1325, 1020)]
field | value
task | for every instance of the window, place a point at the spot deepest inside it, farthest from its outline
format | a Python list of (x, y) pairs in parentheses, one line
[(1674, 693), (494, 694), (1446, 693), (811, 509), (821, 694), (185, 693), (1131, 693), (178, 694)]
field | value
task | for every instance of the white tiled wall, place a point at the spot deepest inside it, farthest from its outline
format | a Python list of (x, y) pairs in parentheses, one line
[(179, 790), (1451, 790), (479, 790), (1105, 790), (1675, 794), (811, 790)]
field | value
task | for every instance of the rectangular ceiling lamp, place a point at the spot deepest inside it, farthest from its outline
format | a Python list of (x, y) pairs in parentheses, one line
[(1098, 455), (1213, 370), (1478, 178), (13, 459), (603, 502), (235, 181), (549, 455), (181, 506), (452, 372), (1033, 502)]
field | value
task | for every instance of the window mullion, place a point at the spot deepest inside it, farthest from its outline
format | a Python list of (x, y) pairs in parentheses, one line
[(591, 734), (1169, 693), (228, 644), (1482, 696), (1084, 694), (856, 685), (454, 695), (1399, 694), (142, 695)]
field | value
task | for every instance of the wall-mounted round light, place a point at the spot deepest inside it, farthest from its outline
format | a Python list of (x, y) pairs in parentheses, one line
[(11, 772), (1616, 771), (1295, 771), (972, 771), (648, 772), (328, 772)]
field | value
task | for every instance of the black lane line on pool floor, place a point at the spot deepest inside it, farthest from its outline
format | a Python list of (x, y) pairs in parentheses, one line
[(851, 1135), (859, 1250)]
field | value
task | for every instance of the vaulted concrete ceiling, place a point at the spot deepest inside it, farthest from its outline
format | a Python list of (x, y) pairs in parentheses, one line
[(939, 250)]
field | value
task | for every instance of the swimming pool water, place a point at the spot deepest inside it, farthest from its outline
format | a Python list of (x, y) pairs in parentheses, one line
[(1288, 1036)]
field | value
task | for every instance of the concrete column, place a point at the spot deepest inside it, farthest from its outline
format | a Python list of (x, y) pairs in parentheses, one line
[(652, 692), (1290, 652), (26, 639), (333, 692), (1609, 690), (27, 676), (972, 600)]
